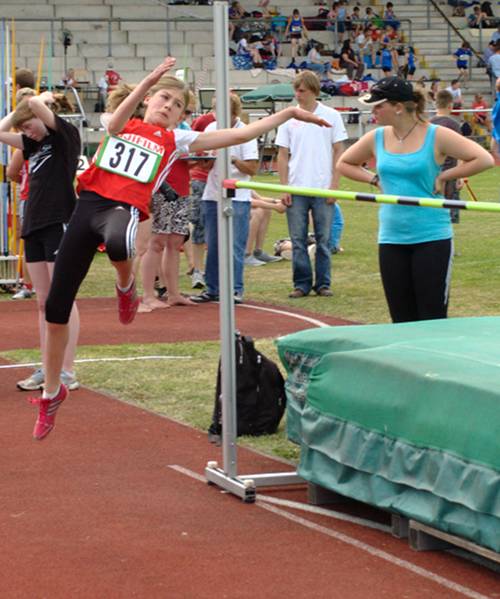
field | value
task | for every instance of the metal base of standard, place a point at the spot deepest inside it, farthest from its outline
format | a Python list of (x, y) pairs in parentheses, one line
[(245, 486)]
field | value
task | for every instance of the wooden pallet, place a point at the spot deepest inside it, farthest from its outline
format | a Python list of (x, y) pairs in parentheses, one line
[(420, 536), (425, 538)]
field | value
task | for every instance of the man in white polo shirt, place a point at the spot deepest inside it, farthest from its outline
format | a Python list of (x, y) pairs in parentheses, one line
[(307, 157)]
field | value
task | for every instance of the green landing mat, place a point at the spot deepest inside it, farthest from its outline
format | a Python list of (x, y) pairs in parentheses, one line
[(406, 417)]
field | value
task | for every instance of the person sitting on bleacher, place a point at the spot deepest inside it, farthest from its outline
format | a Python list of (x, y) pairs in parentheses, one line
[(476, 18), (315, 62), (350, 62), (390, 16), (481, 118)]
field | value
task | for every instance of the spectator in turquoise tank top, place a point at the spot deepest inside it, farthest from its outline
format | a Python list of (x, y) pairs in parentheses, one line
[(415, 243)]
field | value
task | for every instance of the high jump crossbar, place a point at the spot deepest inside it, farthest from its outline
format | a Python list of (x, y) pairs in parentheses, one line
[(378, 198)]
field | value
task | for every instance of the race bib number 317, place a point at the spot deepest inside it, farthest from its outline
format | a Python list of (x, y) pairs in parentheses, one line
[(128, 159)]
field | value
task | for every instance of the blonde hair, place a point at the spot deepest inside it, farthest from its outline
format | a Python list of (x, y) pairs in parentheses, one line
[(415, 106), (192, 101), (119, 94), (170, 82), (235, 105), (309, 80), (444, 99), (23, 112), (24, 92)]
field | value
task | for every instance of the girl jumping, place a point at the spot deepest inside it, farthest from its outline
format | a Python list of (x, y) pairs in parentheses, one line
[(115, 191)]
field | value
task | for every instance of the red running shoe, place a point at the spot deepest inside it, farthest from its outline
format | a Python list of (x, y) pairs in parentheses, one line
[(128, 302), (47, 413)]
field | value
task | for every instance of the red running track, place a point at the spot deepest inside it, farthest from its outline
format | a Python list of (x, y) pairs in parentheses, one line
[(96, 511)]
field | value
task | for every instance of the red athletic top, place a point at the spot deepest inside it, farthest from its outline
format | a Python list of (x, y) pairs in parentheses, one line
[(178, 177), (197, 172), (122, 189)]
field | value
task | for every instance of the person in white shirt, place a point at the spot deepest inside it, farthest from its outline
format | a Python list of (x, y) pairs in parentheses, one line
[(307, 157), (456, 92), (244, 164), (494, 62)]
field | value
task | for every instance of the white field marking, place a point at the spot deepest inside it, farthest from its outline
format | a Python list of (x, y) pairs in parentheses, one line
[(296, 505), (312, 509), (199, 477), (82, 360), (314, 321), (262, 503), (449, 584)]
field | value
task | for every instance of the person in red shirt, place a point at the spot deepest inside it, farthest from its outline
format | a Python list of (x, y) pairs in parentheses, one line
[(112, 78), (199, 173), (481, 118), (115, 191)]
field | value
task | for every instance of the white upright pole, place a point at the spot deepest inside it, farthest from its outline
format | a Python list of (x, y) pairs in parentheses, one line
[(227, 476), (225, 236)]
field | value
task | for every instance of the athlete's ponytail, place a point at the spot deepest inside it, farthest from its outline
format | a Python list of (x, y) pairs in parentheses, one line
[(117, 96)]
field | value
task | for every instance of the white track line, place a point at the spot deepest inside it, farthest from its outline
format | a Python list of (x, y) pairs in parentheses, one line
[(82, 360), (313, 509), (263, 502), (377, 553), (314, 321), (296, 505)]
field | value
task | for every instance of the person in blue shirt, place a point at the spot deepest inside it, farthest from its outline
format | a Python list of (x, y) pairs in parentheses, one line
[(495, 123), (297, 31), (415, 243), (409, 66), (386, 60), (464, 56)]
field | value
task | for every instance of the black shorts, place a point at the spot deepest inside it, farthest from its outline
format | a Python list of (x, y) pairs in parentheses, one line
[(95, 220), (42, 245)]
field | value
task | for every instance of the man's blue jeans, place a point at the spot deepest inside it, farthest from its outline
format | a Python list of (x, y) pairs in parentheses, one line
[(241, 223), (298, 221)]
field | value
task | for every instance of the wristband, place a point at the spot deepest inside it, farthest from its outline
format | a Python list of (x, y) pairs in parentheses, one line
[(375, 179)]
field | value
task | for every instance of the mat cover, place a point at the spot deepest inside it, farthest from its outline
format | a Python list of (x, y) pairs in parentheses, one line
[(406, 417)]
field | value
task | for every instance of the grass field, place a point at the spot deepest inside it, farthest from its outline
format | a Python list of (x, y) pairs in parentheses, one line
[(358, 296)]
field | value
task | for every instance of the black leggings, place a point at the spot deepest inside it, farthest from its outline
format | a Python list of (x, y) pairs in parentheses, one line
[(95, 220), (416, 279)]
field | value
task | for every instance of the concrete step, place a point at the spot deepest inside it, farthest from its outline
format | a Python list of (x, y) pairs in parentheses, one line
[(144, 11), (73, 2), (30, 11), (82, 11), (120, 64), (156, 37)]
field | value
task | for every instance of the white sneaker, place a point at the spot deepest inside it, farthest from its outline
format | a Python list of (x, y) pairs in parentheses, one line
[(69, 380), (197, 280), (23, 293), (251, 260), (33, 382)]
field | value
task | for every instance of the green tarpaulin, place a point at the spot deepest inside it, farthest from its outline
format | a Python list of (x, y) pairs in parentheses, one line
[(406, 417)]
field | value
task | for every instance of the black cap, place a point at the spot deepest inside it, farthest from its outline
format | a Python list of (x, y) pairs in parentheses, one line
[(392, 89)]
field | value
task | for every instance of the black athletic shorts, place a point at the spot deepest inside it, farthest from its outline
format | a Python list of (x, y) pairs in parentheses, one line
[(42, 245), (95, 220)]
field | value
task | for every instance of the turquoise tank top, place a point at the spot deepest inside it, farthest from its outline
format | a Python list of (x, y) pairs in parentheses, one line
[(410, 174)]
